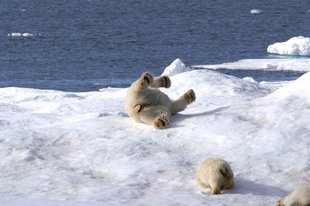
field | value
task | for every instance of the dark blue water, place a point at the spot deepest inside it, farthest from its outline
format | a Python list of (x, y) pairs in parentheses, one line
[(84, 45)]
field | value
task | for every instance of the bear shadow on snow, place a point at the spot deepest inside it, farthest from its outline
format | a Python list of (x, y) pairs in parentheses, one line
[(243, 186), (206, 113)]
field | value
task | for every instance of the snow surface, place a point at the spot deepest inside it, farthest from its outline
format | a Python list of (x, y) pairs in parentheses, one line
[(176, 67), (255, 11), (64, 148), (295, 46), (293, 64)]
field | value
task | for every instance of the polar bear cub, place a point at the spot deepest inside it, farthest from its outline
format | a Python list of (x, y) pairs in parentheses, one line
[(299, 197), (146, 103), (216, 174)]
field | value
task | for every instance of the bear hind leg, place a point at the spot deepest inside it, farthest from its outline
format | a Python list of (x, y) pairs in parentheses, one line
[(189, 96), (161, 122), (183, 101), (156, 116)]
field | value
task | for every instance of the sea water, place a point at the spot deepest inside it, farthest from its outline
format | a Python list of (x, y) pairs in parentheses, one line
[(85, 45)]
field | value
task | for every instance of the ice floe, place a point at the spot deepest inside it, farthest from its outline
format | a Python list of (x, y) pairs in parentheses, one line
[(68, 148), (295, 46), (16, 34), (255, 11), (300, 64)]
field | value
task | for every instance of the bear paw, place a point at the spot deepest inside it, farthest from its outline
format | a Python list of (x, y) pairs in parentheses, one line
[(161, 122), (279, 203), (215, 191), (164, 81), (145, 80), (189, 96)]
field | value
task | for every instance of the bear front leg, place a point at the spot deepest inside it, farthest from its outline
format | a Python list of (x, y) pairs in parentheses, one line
[(201, 183), (143, 82), (161, 122), (162, 81), (183, 101), (215, 190)]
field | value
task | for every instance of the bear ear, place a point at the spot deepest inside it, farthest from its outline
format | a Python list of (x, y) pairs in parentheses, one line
[(224, 172)]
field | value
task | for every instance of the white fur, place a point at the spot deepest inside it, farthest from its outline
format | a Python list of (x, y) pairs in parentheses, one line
[(146, 103), (299, 197), (216, 174)]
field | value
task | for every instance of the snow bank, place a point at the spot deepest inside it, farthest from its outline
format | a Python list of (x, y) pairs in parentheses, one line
[(176, 67), (295, 46), (301, 64), (77, 148), (255, 11)]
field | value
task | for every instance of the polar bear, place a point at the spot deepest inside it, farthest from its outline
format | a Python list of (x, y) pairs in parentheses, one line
[(146, 103), (299, 197), (216, 174)]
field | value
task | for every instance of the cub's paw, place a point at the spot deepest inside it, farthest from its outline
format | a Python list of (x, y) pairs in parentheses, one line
[(189, 96), (164, 81), (215, 191), (161, 122), (145, 80), (279, 203)]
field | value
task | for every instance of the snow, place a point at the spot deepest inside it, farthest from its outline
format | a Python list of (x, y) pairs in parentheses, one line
[(255, 11), (176, 67), (277, 64), (65, 148), (295, 46)]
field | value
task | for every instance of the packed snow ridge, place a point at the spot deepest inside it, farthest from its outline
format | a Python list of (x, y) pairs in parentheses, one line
[(176, 67), (295, 46)]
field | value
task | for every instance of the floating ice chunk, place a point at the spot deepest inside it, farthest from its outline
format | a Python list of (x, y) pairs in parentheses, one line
[(176, 67), (295, 46), (16, 34), (255, 11), (292, 64), (27, 34)]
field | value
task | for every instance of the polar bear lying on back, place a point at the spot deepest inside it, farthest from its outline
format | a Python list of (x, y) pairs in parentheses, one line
[(299, 197), (146, 103)]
